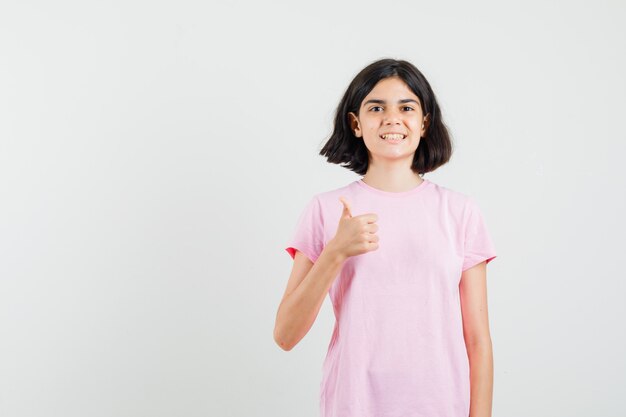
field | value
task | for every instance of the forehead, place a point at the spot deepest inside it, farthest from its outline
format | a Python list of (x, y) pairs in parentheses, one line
[(392, 88)]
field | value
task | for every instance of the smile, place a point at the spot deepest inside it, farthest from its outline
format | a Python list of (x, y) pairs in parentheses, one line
[(393, 137)]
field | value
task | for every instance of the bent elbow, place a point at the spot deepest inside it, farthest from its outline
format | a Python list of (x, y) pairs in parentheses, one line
[(282, 343)]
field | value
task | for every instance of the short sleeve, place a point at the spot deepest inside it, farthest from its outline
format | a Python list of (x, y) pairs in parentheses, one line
[(478, 246), (308, 236)]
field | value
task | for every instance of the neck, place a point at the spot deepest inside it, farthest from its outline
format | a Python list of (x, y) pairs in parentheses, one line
[(396, 179)]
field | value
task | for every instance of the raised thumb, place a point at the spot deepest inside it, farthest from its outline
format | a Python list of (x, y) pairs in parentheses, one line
[(346, 208)]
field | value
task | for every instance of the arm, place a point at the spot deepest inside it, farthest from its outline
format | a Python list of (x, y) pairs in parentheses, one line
[(473, 293), (306, 290)]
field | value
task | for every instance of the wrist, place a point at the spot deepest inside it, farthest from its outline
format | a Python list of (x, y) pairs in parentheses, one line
[(334, 251)]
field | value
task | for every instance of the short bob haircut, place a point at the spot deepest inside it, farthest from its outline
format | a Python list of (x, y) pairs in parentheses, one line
[(435, 147)]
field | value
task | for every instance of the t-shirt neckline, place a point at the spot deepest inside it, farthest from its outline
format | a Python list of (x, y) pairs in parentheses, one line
[(412, 191)]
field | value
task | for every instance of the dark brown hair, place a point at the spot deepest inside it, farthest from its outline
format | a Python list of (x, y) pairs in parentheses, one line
[(435, 148)]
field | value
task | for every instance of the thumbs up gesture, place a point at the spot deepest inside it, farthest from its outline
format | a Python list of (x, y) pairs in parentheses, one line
[(355, 234)]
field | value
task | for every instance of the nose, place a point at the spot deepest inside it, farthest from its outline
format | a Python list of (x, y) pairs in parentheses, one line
[(391, 117)]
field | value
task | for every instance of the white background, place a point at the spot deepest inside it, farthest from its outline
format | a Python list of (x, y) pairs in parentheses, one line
[(154, 157)]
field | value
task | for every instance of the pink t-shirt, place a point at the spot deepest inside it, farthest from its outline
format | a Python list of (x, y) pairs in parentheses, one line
[(397, 348)]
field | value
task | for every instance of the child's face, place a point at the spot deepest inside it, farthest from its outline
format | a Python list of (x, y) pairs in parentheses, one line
[(395, 109)]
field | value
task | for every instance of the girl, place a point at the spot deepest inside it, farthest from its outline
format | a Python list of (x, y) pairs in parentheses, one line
[(402, 258)]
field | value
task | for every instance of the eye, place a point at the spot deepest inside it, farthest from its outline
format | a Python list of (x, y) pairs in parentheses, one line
[(408, 107), (375, 107)]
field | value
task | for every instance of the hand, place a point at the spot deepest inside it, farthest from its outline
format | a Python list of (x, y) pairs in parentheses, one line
[(355, 234)]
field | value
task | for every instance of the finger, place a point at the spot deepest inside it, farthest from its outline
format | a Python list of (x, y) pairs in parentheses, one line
[(371, 217), (374, 238), (346, 208)]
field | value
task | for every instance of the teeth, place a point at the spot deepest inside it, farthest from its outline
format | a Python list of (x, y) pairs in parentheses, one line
[(393, 136)]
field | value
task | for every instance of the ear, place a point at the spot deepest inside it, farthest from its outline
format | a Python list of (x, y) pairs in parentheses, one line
[(354, 124), (426, 124)]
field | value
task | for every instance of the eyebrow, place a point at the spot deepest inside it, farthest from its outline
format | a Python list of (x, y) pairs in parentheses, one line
[(378, 101)]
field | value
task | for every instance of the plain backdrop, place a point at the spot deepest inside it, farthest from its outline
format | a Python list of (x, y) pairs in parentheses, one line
[(155, 156)]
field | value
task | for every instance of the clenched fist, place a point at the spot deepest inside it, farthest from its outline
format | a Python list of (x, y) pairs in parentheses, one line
[(355, 234)]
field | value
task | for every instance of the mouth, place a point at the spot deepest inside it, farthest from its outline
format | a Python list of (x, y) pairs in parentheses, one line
[(393, 137)]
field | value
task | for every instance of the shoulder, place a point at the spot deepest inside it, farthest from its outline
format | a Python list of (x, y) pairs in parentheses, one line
[(324, 204), (456, 200), (331, 197), (462, 207)]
